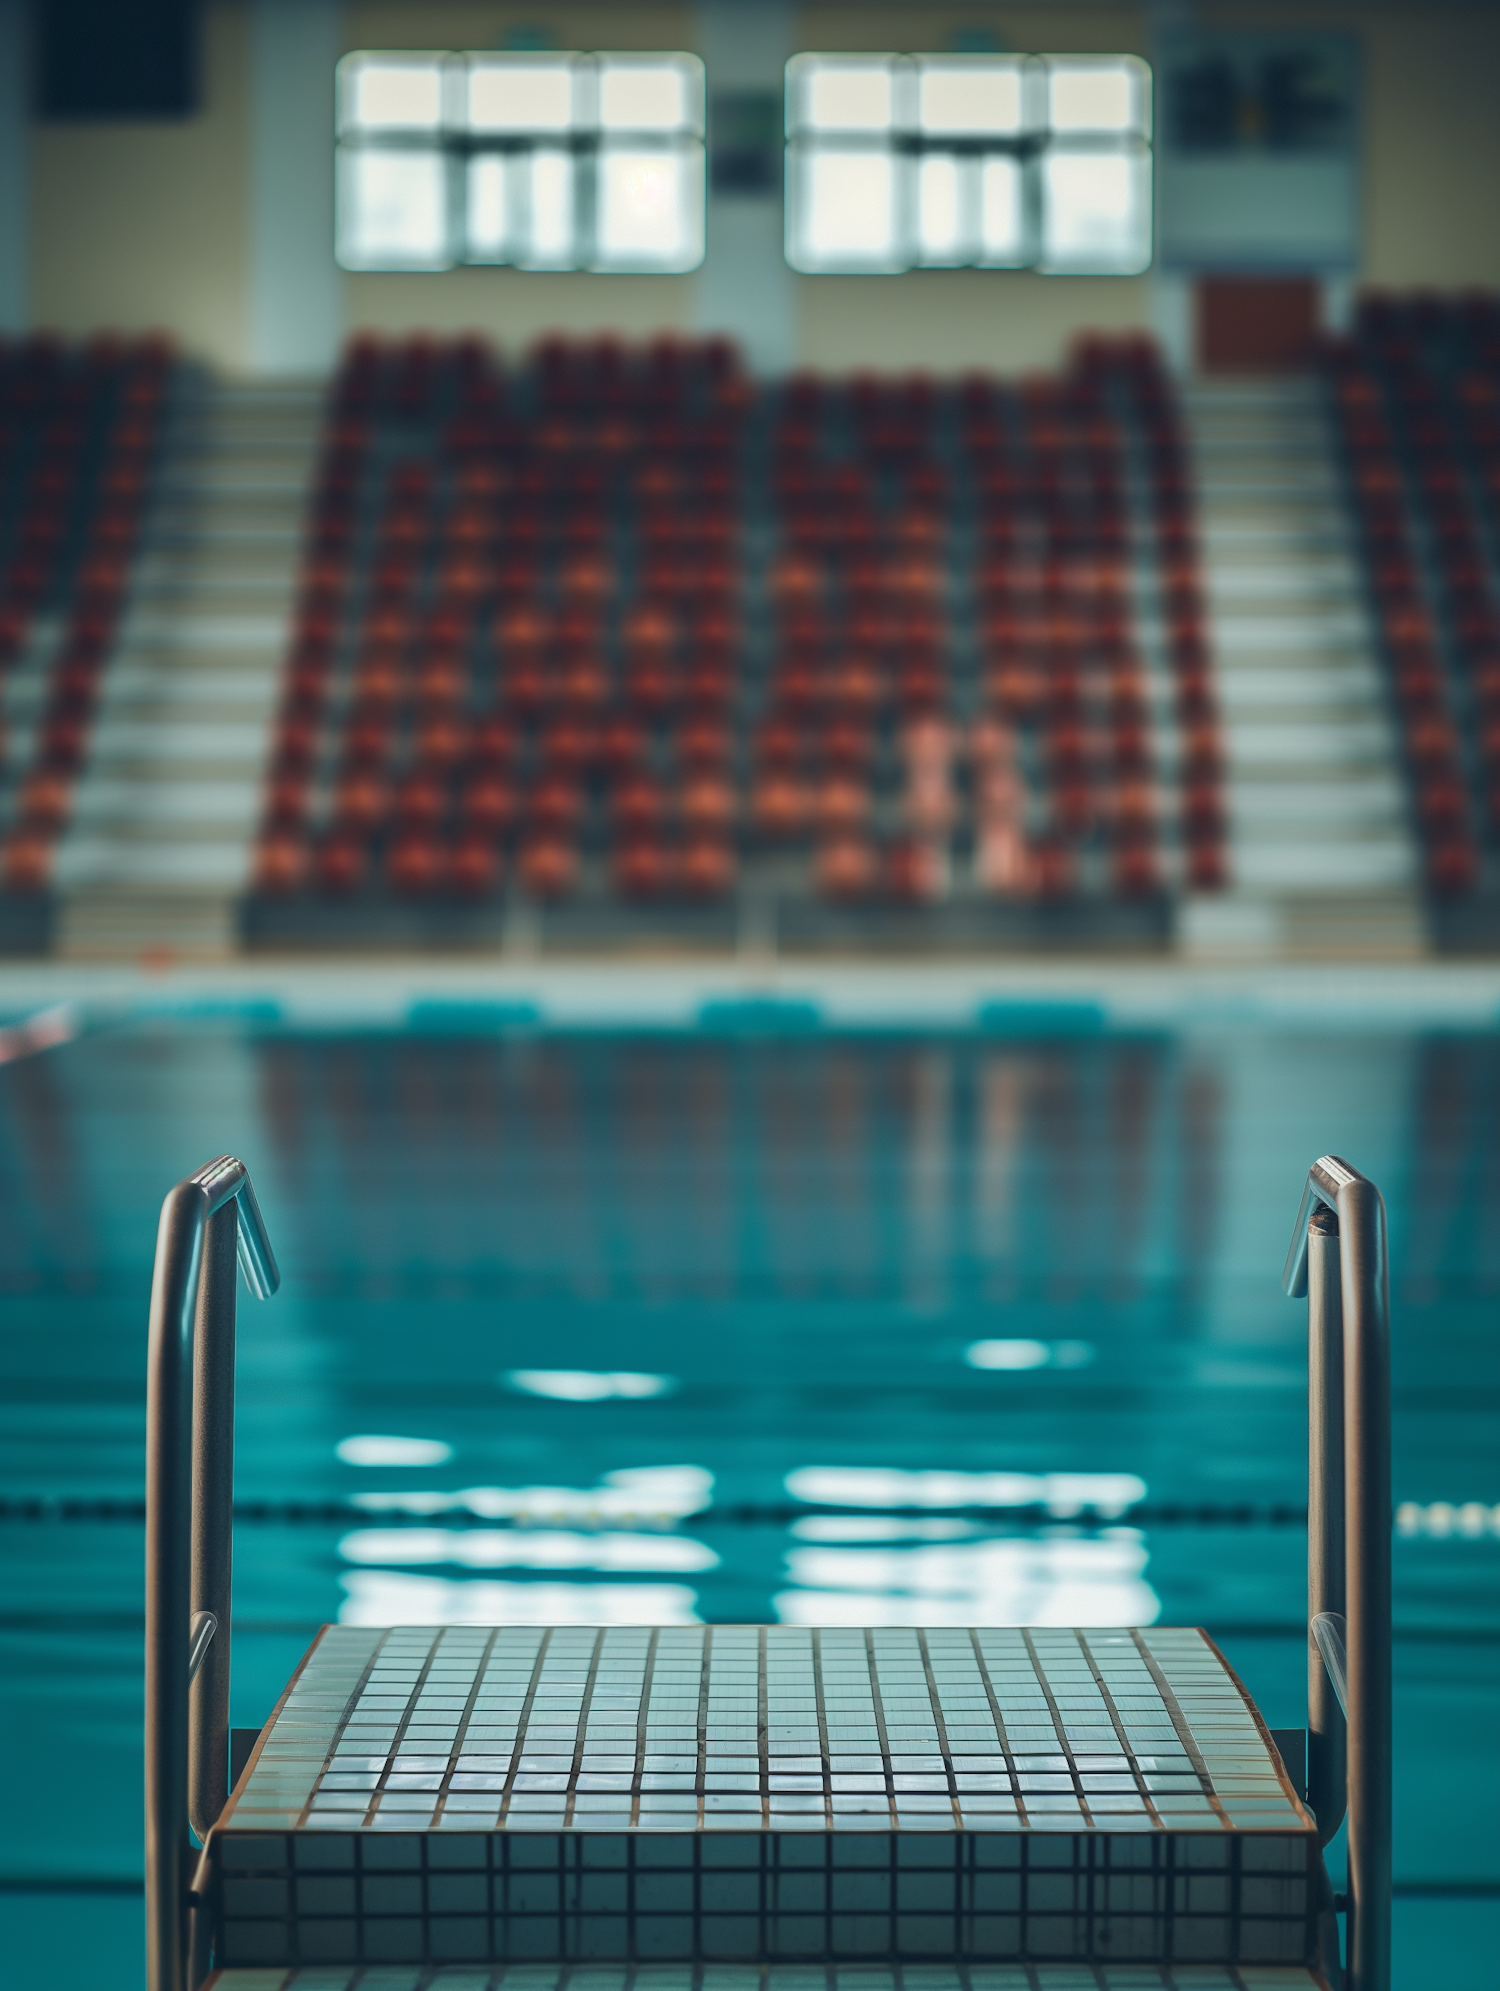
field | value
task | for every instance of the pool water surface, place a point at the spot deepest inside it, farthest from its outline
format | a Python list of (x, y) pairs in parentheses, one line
[(804, 1328)]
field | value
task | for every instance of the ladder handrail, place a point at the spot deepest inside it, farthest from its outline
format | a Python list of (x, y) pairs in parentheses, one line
[(208, 1222), (1339, 1261)]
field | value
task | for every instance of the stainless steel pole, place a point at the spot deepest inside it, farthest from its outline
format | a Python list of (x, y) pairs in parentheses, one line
[(1363, 1426), (213, 1514), (1367, 1575), (1326, 1755), (206, 1222), (174, 1289)]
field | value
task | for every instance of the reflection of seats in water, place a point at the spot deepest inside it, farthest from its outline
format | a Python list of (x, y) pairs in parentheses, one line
[(624, 627), (432, 1796)]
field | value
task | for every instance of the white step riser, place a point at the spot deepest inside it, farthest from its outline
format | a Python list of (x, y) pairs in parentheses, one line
[(1317, 797), (159, 844)]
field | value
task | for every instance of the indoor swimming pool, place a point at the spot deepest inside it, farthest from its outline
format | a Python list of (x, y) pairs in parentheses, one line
[(780, 1327)]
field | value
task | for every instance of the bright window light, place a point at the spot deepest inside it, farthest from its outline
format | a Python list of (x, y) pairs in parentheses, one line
[(847, 211), (391, 1597), (547, 162), (550, 243), (939, 217), (1002, 217), (848, 96), (1029, 1354), (392, 210), (976, 97), (896, 162), (527, 1548), (1112, 96), (649, 207), (519, 96), (1098, 212), (648, 96), (381, 94), (587, 1385), (371, 1450), (489, 209)]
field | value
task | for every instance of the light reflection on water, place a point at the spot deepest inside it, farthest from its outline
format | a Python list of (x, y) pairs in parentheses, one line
[(807, 1237)]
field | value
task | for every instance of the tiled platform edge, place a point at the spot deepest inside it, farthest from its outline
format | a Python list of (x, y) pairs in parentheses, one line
[(668, 1977), (747, 1794)]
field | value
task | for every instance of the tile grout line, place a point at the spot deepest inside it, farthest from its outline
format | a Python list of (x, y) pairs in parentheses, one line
[(1182, 1725), (942, 1728), (580, 1735), (401, 1727), (523, 1722), (881, 1730), (825, 1758), (1118, 1722), (1000, 1729), (1058, 1724), (440, 1804), (638, 1771)]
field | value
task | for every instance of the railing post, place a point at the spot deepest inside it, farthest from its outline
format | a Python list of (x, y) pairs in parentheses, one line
[(206, 1222), (213, 1514), (1349, 1328), (1367, 1577), (1325, 1515), (179, 1244)]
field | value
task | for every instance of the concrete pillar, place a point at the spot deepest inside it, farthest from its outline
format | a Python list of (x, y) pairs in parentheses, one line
[(296, 299), (1173, 306), (15, 169), (744, 287)]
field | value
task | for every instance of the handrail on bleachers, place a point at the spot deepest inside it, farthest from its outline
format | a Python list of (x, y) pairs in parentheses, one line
[(208, 1222), (1338, 1260)]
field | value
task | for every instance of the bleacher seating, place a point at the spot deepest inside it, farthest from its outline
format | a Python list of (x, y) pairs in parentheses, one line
[(1416, 395), (623, 627), (79, 432)]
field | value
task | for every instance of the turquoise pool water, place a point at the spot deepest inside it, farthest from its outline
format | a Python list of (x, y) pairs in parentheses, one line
[(802, 1327)]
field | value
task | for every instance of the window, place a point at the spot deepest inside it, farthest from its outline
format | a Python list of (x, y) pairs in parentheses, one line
[(898, 162), (548, 162)]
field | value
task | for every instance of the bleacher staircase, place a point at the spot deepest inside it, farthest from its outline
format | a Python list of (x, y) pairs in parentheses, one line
[(1322, 856), (157, 851)]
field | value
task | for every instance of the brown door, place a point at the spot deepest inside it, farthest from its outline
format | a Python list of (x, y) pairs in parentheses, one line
[(1256, 324)]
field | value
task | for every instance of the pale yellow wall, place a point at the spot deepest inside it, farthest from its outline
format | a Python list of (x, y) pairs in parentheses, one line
[(1433, 164), (945, 321), (136, 226), (142, 226), (515, 307)]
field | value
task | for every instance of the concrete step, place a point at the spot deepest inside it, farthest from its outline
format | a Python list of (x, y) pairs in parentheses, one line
[(1309, 743), (1276, 810), (198, 864), (1353, 925), (116, 922), (135, 809), (1299, 864), (1247, 688)]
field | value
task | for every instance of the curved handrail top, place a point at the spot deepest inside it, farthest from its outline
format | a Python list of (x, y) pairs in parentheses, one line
[(219, 1180), (1327, 1176)]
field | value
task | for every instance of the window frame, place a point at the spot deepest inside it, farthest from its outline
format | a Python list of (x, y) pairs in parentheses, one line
[(585, 140), (908, 143)]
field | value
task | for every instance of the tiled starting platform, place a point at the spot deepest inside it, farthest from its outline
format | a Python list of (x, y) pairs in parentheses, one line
[(764, 1809), (775, 1977)]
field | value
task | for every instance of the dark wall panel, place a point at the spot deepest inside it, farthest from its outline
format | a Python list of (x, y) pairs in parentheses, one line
[(116, 58)]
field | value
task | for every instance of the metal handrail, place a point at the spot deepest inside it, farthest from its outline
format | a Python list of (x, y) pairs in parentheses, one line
[(207, 1223), (1338, 1259)]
